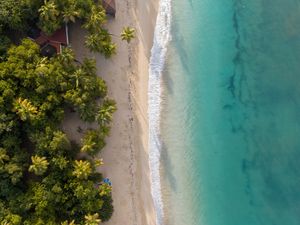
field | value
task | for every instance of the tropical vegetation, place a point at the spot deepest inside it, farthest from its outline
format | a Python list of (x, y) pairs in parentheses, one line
[(46, 178), (50, 15), (127, 34), (43, 177)]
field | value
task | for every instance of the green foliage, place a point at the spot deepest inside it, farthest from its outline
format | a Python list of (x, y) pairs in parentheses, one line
[(14, 171), (127, 34), (39, 165), (50, 142), (4, 44), (69, 14), (67, 56), (3, 156), (68, 223), (101, 42), (99, 39), (49, 13), (105, 112), (42, 181), (54, 13), (82, 169), (96, 19), (92, 219), (61, 162), (105, 189), (93, 142), (15, 17), (107, 208), (25, 109), (12, 219), (11, 14), (59, 141), (87, 87)]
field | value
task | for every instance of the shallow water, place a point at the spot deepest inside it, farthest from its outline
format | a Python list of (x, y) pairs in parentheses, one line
[(230, 124)]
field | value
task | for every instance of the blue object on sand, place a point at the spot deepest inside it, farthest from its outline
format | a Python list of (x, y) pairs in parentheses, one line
[(107, 181)]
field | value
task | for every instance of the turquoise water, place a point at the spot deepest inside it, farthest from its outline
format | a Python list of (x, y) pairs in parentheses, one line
[(230, 124)]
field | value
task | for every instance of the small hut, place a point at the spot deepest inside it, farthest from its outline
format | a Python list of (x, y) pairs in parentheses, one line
[(110, 7), (53, 44)]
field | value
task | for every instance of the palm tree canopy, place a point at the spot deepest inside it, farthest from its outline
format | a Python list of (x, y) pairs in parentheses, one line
[(82, 169), (78, 75), (92, 219), (96, 19), (67, 56), (99, 162), (3, 156), (128, 34), (68, 223), (70, 14), (104, 115), (105, 189), (25, 109), (39, 165), (48, 11)]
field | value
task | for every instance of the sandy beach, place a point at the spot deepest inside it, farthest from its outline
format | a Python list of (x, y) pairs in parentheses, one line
[(126, 74)]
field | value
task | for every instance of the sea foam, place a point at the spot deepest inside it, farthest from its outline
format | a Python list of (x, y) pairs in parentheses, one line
[(157, 61)]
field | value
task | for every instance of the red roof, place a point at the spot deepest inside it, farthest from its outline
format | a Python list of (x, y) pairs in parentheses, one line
[(41, 40), (56, 40), (59, 36)]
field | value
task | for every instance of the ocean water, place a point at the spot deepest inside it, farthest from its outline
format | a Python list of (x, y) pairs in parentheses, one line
[(225, 103)]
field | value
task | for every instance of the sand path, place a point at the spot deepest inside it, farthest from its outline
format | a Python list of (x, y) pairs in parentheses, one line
[(126, 74)]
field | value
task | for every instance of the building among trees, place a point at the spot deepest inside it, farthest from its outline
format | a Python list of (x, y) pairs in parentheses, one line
[(53, 44), (110, 7)]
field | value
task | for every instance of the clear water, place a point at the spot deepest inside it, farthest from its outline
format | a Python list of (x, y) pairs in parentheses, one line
[(230, 122)]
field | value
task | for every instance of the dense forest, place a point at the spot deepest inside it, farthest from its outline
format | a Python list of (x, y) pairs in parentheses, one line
[(45, 178)]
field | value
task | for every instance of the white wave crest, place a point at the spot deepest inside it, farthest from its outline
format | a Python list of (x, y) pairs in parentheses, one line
[(156, 67)]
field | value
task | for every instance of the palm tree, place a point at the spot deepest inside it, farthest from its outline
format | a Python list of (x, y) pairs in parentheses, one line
[(104, 115), (24, 109), (108, 48), (48, 11), (82, 169), (104, 131), (39, 165), (78, 75), (92, 42), (89, 66), (68, 223), (70, 13), (42, 66), (67, 56), (99, 162), (92, 219), (15, 172), (127, 34), (3, 156), (96, 19), (105, 189), (88, 147)]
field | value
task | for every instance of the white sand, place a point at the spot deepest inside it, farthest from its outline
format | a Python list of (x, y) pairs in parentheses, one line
[(126, 74)]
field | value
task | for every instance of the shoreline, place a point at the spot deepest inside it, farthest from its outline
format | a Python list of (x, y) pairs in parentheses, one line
[(162, 37), (126, 155)]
